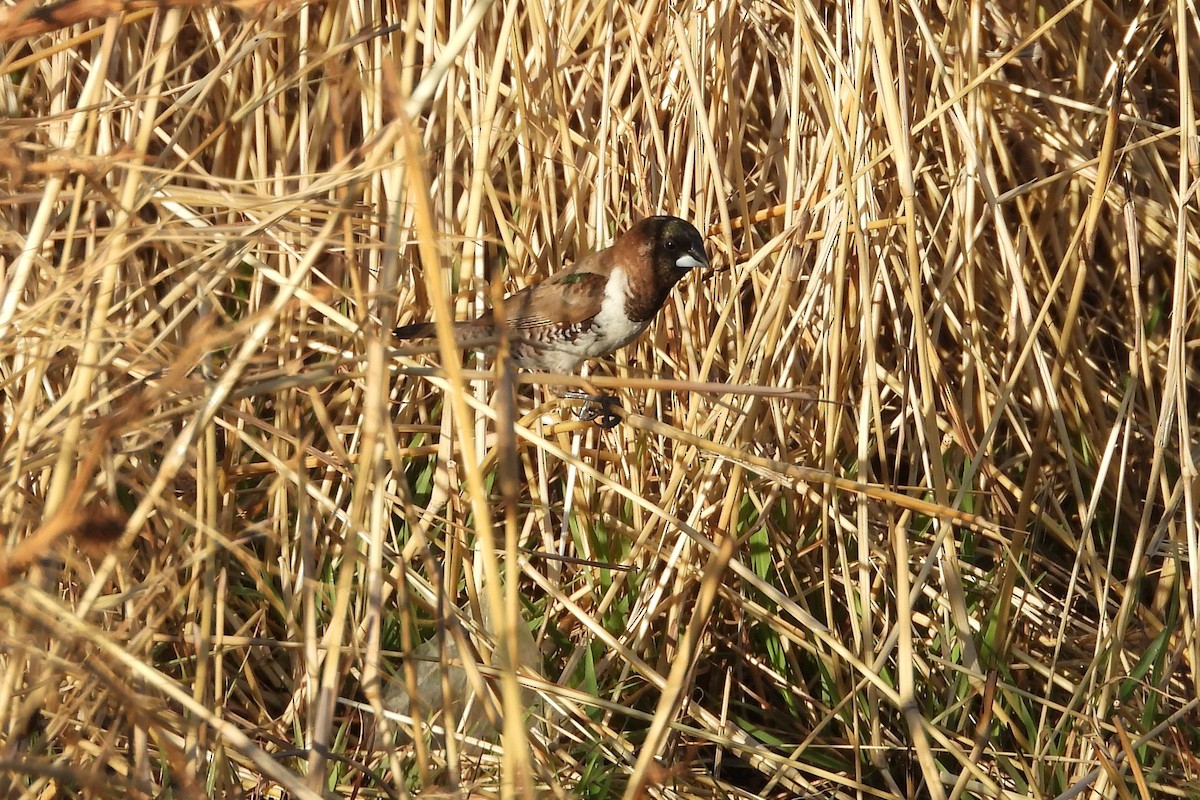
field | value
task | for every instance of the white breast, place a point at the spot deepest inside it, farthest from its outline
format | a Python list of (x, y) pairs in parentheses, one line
[(612, 327)]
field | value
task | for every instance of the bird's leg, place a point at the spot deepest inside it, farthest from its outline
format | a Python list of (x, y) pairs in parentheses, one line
[(597, 407)]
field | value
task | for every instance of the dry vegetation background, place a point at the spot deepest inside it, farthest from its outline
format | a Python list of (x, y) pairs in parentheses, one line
[(904, 503)]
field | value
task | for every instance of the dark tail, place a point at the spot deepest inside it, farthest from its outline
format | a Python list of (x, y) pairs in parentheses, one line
[(418, 330), (464, 329)]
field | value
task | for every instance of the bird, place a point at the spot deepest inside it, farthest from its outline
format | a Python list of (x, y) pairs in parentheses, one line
[(593, 307)]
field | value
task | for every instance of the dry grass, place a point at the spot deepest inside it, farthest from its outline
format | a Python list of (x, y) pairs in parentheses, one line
[(904, 503)]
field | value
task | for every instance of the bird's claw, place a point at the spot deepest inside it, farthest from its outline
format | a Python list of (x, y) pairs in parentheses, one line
[(598, 408)]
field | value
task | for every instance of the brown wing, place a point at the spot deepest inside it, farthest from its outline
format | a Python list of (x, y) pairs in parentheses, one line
[(566, 299), (563, 302)]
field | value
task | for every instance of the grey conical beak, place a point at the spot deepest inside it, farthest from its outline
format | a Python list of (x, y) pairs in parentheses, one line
[(691, 260)]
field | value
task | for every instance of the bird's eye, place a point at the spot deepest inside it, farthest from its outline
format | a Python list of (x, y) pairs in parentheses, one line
[(670, 244)]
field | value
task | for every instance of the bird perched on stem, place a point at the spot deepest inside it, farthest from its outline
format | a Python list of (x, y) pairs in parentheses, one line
[(600, 303)]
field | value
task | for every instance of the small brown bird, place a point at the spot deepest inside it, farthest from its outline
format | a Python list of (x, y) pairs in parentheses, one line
[(598, 304)]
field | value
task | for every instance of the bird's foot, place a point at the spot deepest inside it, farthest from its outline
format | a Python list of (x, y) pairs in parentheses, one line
[(599, 408)]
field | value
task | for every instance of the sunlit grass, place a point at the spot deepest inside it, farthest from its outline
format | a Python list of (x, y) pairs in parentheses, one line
[(902, 503)]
